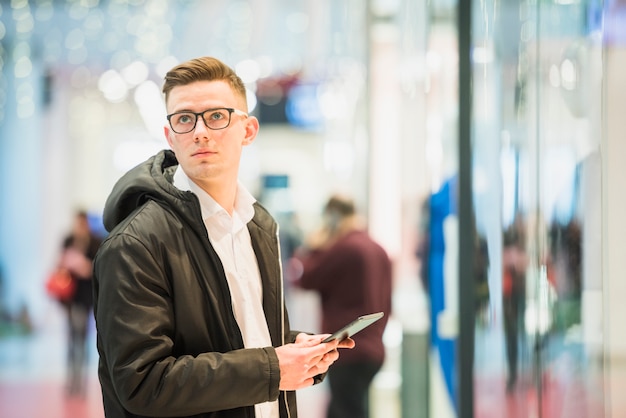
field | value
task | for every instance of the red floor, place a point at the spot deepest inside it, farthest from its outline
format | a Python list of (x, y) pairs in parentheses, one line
[(568, 399), (32, 386), (47, 399)]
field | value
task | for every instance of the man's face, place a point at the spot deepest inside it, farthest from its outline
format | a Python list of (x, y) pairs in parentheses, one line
[(210, 157)]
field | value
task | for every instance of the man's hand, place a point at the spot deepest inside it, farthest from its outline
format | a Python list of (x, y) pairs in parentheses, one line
[(308, 357)]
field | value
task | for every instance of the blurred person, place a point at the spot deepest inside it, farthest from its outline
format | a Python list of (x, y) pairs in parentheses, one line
[(481, 275), (514, 265), (189, 300), (78, 251), (564, 271), (353, 276)]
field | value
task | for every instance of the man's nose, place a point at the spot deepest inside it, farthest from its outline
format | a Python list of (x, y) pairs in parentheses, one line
[(201, 130)]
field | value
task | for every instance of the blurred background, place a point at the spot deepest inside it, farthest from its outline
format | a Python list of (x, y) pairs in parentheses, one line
[(482, 140)]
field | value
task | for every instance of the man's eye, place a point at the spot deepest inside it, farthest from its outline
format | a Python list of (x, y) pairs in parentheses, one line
[(185, 118), (217, 115)]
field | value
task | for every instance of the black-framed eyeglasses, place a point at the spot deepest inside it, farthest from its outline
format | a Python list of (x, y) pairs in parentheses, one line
[(218, 118)]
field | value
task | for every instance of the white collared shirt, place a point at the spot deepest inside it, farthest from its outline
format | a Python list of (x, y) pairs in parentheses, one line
[(231, 240)]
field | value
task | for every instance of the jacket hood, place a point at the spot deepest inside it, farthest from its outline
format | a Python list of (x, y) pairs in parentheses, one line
[(150, 180)]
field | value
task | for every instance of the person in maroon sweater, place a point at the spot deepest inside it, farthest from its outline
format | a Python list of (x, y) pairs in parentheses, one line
[(353, 276)]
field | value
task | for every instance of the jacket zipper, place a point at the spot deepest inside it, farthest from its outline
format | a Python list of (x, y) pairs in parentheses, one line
[(282, 308)]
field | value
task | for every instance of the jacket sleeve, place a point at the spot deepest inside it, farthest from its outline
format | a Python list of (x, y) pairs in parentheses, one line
[(135, 318)]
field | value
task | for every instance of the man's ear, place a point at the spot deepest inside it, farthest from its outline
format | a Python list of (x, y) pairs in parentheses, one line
[(166, 132), (252, 128)]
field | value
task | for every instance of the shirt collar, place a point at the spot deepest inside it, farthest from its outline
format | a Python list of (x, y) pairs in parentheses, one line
[(243, 199)]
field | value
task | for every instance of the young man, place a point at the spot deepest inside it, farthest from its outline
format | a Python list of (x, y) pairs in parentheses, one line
[(188, 290)]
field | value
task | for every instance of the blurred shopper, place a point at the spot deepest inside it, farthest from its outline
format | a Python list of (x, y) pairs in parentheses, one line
[(189, 298), (515, 263), (79, 249), (564, 269), (353, 275)]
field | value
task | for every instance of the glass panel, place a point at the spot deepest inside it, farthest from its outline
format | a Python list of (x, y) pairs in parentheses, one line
[(536, 126), (440, 237), (568, 100)]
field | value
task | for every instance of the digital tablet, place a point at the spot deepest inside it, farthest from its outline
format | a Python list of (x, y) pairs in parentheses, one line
[(355, 326)]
